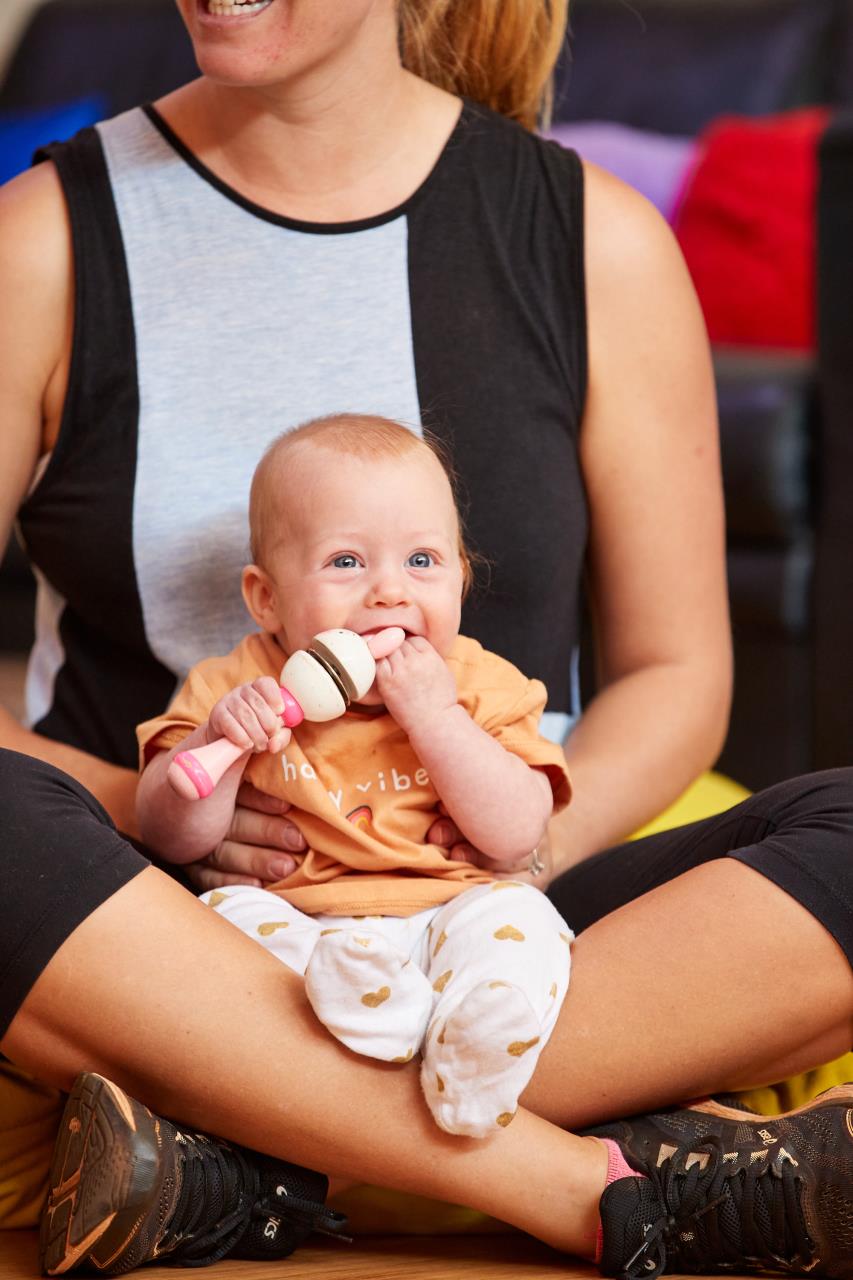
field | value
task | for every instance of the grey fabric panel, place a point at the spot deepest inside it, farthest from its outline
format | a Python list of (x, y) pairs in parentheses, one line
[(331, 331)]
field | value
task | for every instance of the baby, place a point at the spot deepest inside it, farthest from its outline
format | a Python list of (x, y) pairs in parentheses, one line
[(403, 948)]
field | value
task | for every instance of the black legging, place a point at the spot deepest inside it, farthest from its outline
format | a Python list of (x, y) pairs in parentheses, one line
[(798, 833), (63, 857)]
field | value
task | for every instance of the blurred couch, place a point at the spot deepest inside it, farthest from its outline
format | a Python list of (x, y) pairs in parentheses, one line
[(668, 67)]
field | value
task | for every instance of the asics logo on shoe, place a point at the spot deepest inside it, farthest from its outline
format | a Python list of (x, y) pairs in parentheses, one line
[(273, 1224), (700, 1158)]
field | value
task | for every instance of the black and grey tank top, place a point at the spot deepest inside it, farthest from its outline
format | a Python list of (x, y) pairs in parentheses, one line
[(205, 325)]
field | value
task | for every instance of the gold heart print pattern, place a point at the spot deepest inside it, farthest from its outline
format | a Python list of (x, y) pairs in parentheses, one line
[(442, 938), (508, 932), (441, 983), (270, 926), (406, 1057), (373, 999), (505, 1118), (519, 1047), (215, 899)]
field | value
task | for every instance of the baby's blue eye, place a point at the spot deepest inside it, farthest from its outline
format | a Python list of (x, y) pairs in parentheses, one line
[(420, 560), (345, 561)]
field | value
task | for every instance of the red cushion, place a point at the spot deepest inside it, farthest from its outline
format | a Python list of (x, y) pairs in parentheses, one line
[(746, 225)]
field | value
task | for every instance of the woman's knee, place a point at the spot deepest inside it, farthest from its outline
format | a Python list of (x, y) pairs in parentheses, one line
[(824, 799), (35, 792)]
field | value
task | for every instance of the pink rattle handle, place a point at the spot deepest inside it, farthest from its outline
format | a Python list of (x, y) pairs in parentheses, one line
[(194, 774)]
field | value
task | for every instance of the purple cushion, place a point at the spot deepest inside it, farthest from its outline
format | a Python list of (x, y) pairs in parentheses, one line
[(655, 163)]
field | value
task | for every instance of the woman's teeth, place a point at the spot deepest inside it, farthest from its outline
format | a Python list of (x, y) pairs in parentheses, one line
[(231, 8)]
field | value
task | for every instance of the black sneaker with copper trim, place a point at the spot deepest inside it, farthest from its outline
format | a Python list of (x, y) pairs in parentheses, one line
[(728, 1190), (127, 1187)]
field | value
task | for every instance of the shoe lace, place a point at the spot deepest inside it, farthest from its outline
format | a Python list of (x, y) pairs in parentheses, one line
[(719, 1214), (220, 1197)]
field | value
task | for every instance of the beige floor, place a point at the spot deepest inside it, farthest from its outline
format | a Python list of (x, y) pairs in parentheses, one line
[(376, 1258)]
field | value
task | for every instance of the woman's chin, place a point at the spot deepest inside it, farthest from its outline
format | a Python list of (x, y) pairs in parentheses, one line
[(272, 43), (232, 42)]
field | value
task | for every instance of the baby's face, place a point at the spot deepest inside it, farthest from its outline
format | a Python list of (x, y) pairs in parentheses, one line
[(366, 544)]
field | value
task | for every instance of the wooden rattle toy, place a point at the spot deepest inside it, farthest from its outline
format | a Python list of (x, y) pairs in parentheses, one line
[(317, 683)]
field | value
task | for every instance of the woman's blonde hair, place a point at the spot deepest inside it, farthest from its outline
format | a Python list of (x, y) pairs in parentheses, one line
[(501, 53)]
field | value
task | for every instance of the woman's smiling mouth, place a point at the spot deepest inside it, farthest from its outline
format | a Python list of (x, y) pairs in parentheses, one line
[(234, 8)]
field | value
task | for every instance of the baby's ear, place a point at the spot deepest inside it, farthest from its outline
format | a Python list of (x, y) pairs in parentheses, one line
[(259, 598)]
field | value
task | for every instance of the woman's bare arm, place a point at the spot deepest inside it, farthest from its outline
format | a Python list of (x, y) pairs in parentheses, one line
[(650, 457), (36, 302)]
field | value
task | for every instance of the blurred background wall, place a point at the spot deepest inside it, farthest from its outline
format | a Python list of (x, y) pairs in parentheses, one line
[(13, 13)]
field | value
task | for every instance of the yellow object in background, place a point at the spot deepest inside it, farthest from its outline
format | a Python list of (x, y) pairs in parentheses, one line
[(29, 1117), (710, 794)]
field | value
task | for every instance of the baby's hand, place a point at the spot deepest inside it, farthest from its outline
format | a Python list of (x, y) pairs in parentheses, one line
[(415, 683), (250, 716)]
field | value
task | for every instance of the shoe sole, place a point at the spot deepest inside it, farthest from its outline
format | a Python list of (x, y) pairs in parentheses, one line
[(105, 1178)]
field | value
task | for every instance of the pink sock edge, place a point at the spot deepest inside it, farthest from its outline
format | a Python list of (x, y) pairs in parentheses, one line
[(617, 1167)]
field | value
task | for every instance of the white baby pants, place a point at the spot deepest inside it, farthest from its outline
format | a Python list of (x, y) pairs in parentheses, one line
[(475, 985)]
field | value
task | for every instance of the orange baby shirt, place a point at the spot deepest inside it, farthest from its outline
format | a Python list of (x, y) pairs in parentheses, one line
[(360, 795)]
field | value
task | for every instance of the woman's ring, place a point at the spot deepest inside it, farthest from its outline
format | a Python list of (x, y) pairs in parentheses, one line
[(536, 866)]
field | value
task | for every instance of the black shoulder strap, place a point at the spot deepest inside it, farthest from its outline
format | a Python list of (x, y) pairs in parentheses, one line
[(78, 522)]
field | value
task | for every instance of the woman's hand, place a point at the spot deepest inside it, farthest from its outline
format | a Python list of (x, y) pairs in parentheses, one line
[(536, 869), (262, 845)]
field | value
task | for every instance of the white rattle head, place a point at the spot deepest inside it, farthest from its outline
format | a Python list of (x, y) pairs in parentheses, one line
[(336, 669)]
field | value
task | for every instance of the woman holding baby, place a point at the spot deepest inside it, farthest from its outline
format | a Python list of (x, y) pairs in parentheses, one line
[(347, 211)]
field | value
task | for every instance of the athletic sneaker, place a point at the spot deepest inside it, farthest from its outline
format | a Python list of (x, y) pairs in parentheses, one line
[(127, 1187), (727, 1190)]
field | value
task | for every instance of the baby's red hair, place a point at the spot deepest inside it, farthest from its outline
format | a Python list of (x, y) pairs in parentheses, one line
[(358, 435)]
